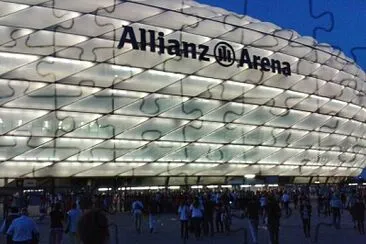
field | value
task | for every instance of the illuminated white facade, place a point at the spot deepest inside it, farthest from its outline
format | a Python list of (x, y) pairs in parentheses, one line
[(74, 104)]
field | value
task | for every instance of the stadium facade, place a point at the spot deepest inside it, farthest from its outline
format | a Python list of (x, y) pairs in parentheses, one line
[(169, 88)]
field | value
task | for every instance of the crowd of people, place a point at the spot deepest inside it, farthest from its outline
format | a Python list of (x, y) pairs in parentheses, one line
[(203, 212), (19, 228), (208, 211)]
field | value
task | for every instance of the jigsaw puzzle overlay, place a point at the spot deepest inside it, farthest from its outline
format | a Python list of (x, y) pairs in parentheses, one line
[(339, 23), (77, 101)]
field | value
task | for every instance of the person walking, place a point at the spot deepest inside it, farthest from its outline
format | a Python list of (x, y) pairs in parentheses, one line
[(320, 204), (137, 208), (23, 230), (219, 211), (153, 210), (6, 206), (42, 209), (350, 206), (57, 219), (336, 205), (296, 199), (252, 211), (208, 216), (8, 221), (93, 228), (286, 201), (273, 215), (197, 215), (226, 217), (73, 217), (305, 213), (327, 205), (359, 211), (183, 212), (263, 202)]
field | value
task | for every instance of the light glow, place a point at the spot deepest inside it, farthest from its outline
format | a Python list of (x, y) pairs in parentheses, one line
[(103, 189), (140, 113), (227, 186), (173, 187), (250, 176), (245, 186), (259, 185)]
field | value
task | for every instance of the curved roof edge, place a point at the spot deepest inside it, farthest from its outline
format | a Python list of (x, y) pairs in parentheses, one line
[(220, 15)]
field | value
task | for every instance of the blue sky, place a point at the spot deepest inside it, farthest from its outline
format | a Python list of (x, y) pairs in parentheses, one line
[(340, 23)]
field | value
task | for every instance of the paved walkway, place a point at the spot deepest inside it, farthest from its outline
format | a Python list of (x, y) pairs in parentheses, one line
[(168, 232)]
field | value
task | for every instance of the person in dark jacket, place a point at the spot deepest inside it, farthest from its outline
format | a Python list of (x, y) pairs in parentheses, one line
[(6, 206), (57, 219), (359, 211), (273, 215), (208, 213), (153, 211), (14, 213), (93, 228), (305, 213), (296, 199), (336, 205), (218, 218), (252, 211)]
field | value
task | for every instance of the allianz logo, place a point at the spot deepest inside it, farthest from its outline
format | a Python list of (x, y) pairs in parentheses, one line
[(224, 53)]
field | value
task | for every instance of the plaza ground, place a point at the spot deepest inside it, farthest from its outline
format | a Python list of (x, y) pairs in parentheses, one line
[(168, 231)]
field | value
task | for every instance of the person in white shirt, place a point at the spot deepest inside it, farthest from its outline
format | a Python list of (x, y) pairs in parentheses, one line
[(197, 216), (286, 200), (183, 212), (23, 229), (73, 217), (137, 208)]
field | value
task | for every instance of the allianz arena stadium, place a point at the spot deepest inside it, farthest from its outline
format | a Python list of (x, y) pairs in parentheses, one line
[(171, 88)]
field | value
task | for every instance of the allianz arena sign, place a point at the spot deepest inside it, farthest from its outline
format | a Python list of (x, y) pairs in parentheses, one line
[(223, 51), (171, 88)]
